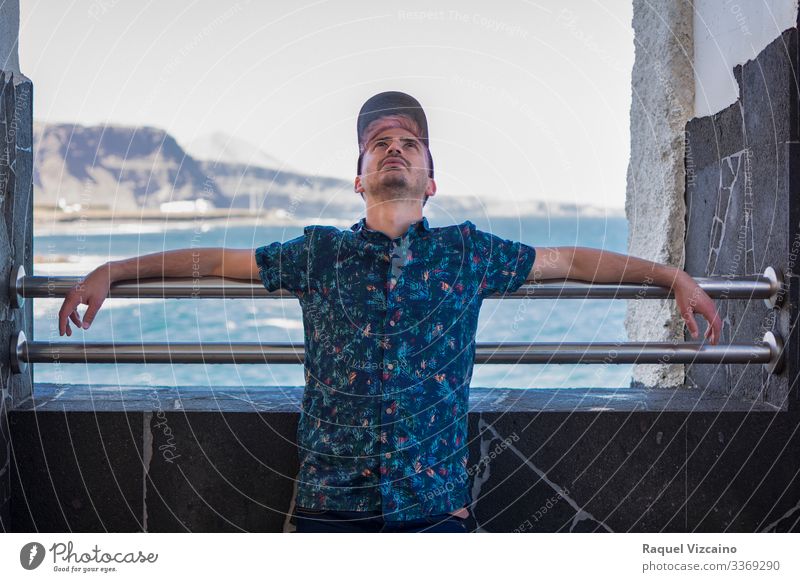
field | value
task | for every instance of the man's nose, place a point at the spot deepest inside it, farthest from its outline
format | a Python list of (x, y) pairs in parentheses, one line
[(394, 146)]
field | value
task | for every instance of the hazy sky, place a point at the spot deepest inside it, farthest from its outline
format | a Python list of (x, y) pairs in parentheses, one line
[(524, 99)]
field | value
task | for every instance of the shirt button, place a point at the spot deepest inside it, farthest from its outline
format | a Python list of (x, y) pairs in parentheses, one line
[(391, 322), (390, 366), (388, 411), (388, 455)]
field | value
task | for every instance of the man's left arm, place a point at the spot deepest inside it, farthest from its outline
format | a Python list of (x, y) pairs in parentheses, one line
[(600, 266)]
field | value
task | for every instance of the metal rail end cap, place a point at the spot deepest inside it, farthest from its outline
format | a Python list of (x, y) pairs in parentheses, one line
[(777, 282), (15, 297), (775, 343), (16, 347)]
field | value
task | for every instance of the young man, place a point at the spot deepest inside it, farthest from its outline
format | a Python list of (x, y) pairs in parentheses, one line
[(390, 310)]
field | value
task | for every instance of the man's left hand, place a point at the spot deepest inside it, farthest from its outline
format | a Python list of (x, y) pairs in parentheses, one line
[(691, 299)]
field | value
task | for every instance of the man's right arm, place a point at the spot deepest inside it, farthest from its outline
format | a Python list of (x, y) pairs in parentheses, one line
[(199, 262)]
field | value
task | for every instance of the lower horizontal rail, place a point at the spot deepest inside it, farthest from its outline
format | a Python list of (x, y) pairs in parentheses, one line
[(768, 352)]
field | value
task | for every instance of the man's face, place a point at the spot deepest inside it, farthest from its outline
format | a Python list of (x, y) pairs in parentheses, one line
[(394, 166)]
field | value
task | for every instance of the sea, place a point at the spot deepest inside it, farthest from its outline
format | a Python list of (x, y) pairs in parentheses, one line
[(77, 248)]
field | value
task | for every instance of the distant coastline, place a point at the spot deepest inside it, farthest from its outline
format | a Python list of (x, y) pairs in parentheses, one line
[(154, 219), (50, 216)]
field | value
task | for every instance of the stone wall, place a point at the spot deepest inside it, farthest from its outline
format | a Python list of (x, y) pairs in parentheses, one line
[(727, 34), (16, 247), (662, 102), (614, 460), (741, 214)]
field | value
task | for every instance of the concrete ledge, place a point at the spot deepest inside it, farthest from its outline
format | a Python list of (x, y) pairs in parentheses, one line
[(269, 399)]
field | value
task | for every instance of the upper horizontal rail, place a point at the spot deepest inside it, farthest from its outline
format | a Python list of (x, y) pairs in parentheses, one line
[(768, 287)]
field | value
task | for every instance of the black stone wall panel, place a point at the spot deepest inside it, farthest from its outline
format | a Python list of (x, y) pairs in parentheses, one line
[(743, 472), (529, 471), (16, 243), (77, 472), (221, 472), (738, 211)]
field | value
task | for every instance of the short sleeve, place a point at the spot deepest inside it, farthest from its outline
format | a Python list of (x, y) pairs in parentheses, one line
[(281, 264), (501, 265)]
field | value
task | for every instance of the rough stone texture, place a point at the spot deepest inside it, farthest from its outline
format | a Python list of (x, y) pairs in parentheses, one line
[(9, 36), (16, 243), (662, 102), (740, 163)]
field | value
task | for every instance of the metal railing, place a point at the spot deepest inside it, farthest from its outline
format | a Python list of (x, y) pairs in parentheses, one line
[(769, 352), (767, 287)]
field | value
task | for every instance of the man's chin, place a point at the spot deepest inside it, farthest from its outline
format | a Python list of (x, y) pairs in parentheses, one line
[(394, 180)]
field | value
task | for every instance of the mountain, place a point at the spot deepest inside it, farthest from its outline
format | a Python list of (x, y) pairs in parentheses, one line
[(128, 169), (221, 147), (114, 167), (123, 168)]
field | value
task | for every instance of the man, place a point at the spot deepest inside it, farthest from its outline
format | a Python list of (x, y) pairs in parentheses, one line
[(390, 310)]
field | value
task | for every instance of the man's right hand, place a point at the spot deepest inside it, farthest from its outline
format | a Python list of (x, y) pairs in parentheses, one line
[(192, 262), (92, 290)]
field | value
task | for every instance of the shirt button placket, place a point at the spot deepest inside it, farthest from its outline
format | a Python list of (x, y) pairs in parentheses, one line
[(390, 410)]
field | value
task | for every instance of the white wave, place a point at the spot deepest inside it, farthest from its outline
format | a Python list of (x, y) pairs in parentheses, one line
[(45, 306), (102, 227), (77, 265), (277, 322)]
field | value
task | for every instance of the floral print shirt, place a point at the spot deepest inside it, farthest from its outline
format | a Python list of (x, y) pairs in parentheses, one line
[(389, 350)]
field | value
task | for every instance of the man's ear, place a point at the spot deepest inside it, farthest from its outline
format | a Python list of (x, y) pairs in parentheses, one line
[(431, 189), (357, 187)]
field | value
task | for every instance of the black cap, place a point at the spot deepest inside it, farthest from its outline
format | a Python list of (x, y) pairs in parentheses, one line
[(392, 103)]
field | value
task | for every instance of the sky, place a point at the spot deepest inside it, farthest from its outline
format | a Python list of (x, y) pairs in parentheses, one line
[(525, 100)]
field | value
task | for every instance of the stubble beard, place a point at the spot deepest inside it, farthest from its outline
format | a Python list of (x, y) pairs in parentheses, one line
[(400, 188)]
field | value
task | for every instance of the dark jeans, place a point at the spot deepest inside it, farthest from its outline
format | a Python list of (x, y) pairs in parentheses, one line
[(332, 521)]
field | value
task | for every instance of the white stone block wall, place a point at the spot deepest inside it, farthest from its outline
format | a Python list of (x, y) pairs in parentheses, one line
[(662, 102)]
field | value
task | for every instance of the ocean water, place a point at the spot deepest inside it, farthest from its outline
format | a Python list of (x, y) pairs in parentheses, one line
[(80, 248)]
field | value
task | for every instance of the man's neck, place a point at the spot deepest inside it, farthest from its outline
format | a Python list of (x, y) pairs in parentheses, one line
[(393, 220)]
